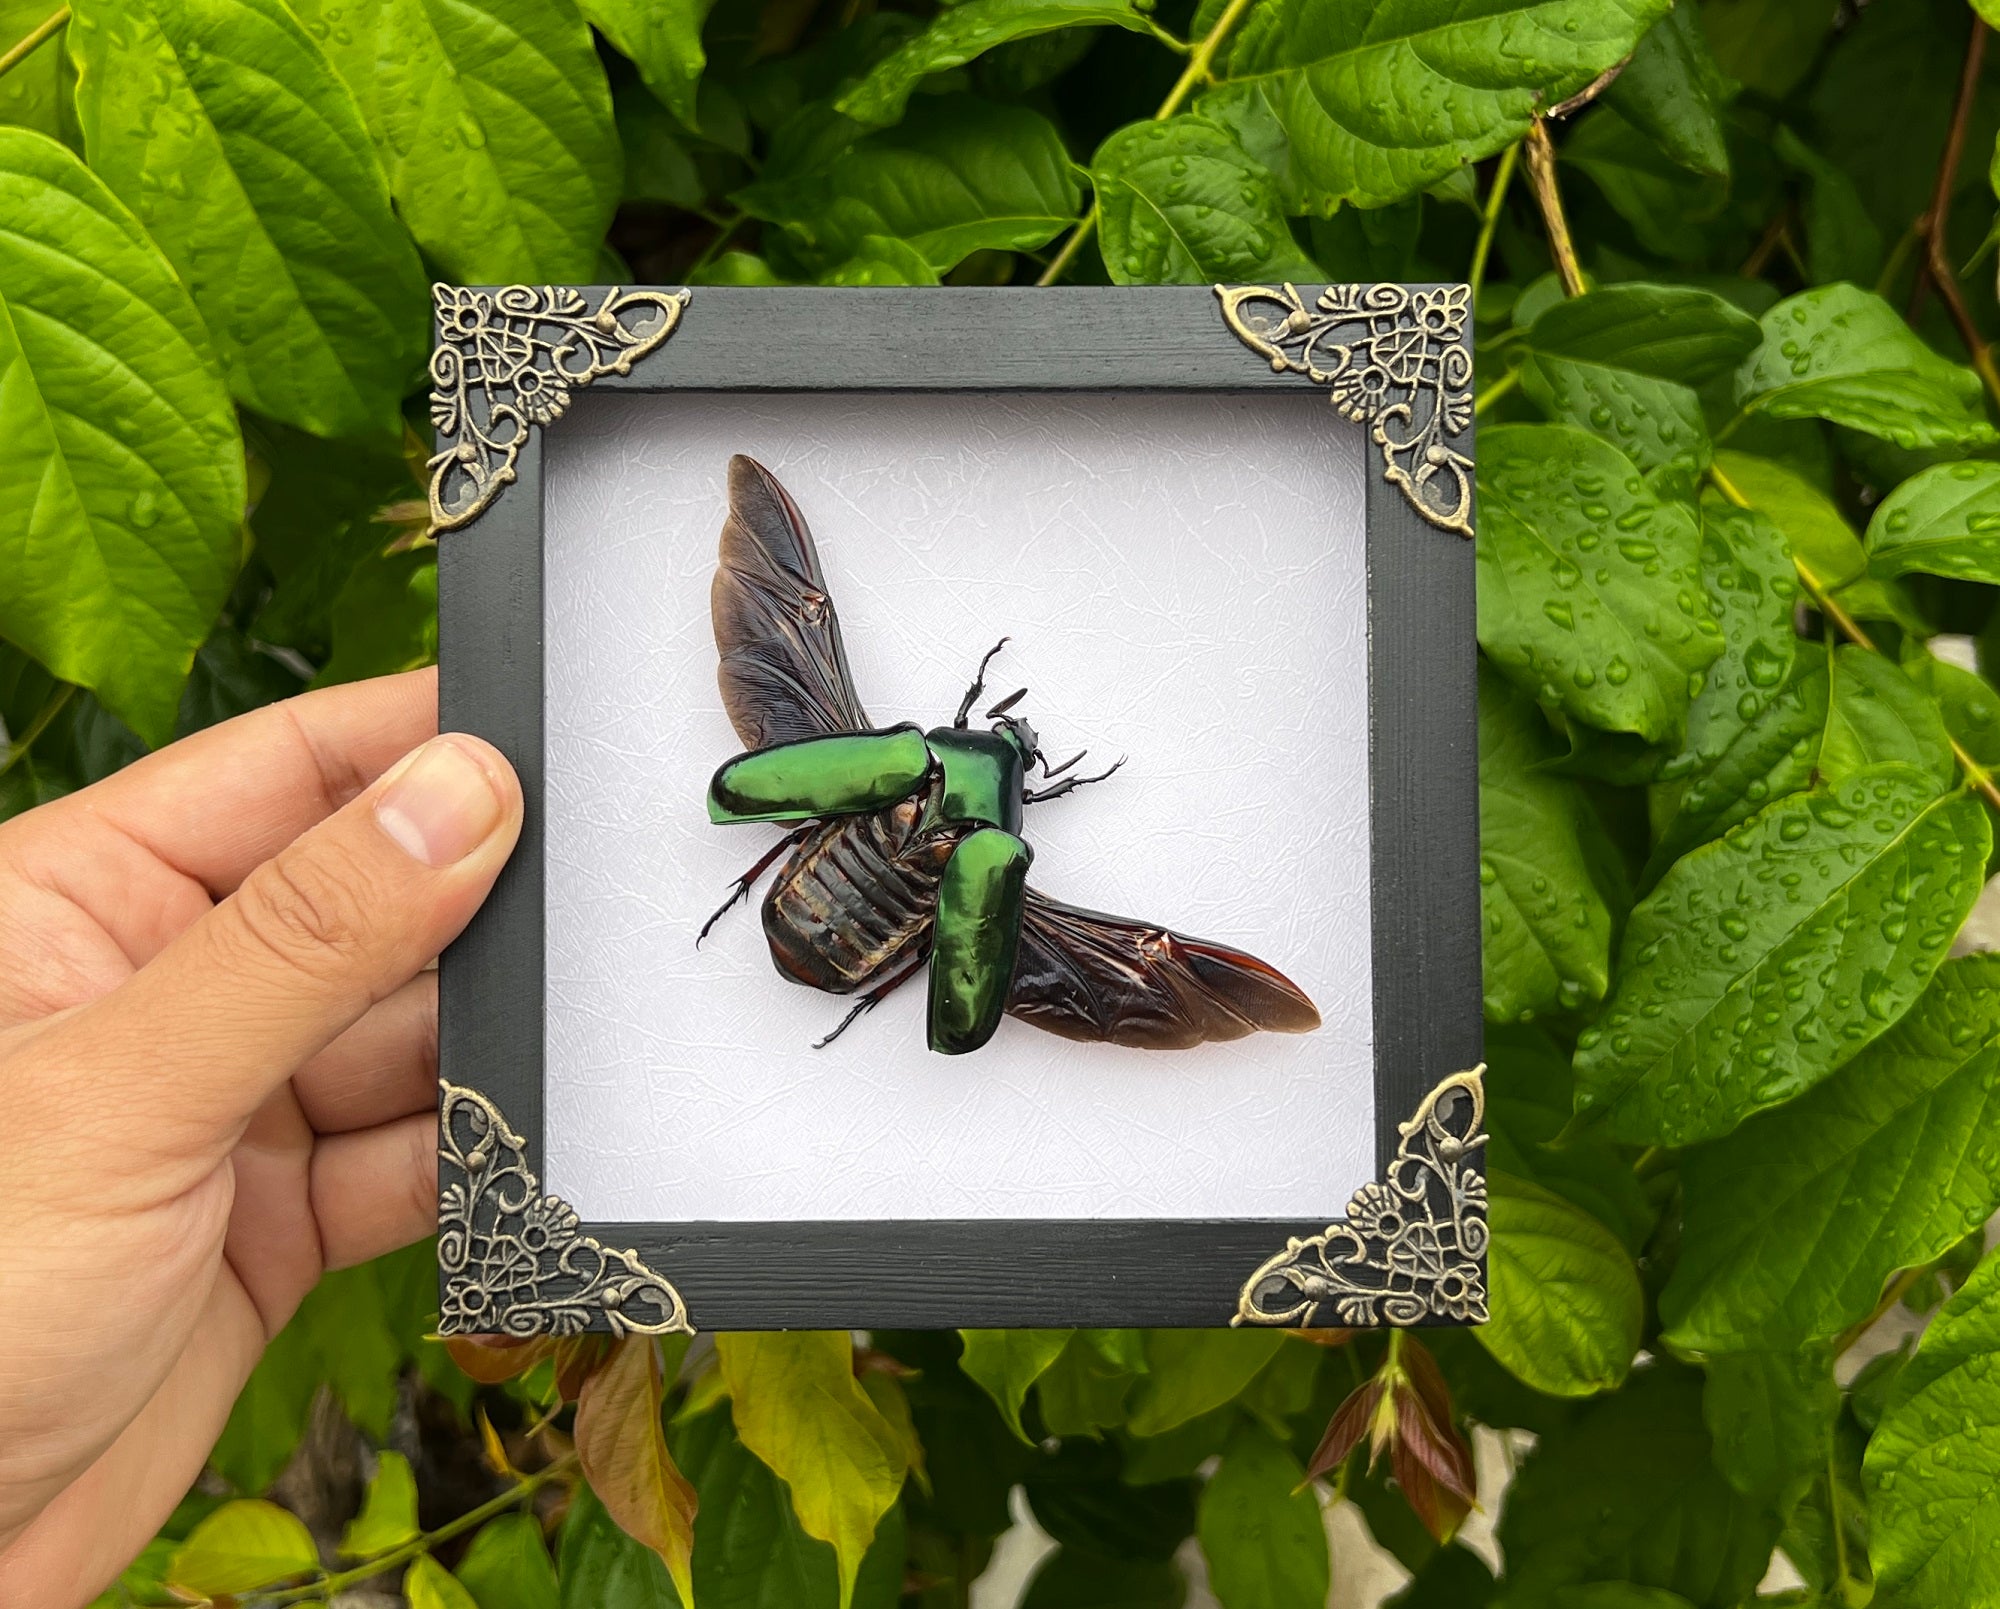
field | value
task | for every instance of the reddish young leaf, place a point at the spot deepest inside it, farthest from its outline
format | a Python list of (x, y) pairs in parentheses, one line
[(1441, 1510), (1346, 1428), (623, 1449), (577, 1359), (489, 1359)]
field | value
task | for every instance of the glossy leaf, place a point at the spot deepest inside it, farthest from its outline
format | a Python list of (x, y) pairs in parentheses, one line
[(1845, 355), (224, 128), (957, 176), (797, 1407), (1260, 1528), (1547, 943), (882, 260), (1771, 1414), (621, 1444), (1089, 1386), (1794, 1222), (1816, 531), (123, 483), (1377, 103), (1590, 592), (601, 1565), (493, 123), (1192, 1371), (388, 1516), (1746, 566), (1564, 1295), (1672, 90), (1007, 1362), (664, 38), (1180, 202), (1878, 714), (1941, 521), (428, 1585), (507, 1566), (1931, 1472), (961, 32), (250, 1543), (1766, 959), (1630, 1492)]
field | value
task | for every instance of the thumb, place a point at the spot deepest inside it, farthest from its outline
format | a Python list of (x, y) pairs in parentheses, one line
[(333, 923)]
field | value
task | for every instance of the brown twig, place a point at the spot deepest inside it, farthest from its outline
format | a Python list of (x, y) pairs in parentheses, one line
[(1935, 225), (44, 30), (1542, 180)]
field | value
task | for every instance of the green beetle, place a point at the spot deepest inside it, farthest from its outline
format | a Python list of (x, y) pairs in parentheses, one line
[(906, 845)]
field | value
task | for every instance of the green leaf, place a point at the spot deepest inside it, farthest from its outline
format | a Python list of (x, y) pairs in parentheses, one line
[(1771, 1414), (1766, 959), (956, 177), (1767, 45), (1628, 1491), (269, 1414), (1931, 1471), (232, 676), (385, 618), (224, 128), (428, 1585), (493, 122), (663, 37), (1590, 592), (1180, 202), (602, 1566), (1793, 1223), (1080, 1495), (1260, 1528), (1452, 1578), (241, 1545), (1071, 1579), (1672, 91), (798, 1407), (1842, 240), (1192, 1371), (1845, 355), (1672, 212), (1007, 1362), (122, 483), (1879, 715), (1565, 1296), (1547, 927), (388, 1516), (1943, 521), (961, 32), (882, 260), (1816, 531), (508, 1566), (1746, 565), (1615, 1595), (1086, 1389), (1378, 103)]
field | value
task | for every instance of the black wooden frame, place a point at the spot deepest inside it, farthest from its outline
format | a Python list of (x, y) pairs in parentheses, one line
[(1423, 811)]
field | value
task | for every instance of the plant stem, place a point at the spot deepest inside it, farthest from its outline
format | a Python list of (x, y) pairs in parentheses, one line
[(1542, 178), (1498, 389), (1852, 629), (1899, 1287), (1173, 41), (18, 750), (1935, 224), (1196, 73), (1496, 193), (526, 1487), (45, 30), (713, 249)]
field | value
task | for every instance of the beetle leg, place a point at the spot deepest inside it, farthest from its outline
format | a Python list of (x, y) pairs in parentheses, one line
[(742, 886), (875, 996), (1057, 770), (1070, 784), (978, 686)]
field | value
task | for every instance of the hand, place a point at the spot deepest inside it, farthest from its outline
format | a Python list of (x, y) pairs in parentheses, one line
[(218, 1073)]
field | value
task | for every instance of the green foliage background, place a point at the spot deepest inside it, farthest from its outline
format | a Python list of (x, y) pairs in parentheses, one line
[(1739, 539)]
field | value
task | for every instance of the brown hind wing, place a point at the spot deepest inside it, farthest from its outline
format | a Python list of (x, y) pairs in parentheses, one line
[(782, 668), (1088, 976)]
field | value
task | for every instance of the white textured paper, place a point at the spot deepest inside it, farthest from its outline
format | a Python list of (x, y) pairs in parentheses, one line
[(1182, 579)]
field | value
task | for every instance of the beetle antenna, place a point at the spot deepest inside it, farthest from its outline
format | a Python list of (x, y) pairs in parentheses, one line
[(978, 686), (1006, 704)]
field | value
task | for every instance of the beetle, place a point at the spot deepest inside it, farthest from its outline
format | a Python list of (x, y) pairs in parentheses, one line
[(905, 846)]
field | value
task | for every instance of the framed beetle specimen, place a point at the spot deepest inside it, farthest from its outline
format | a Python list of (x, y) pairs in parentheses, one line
[(1002, 842)]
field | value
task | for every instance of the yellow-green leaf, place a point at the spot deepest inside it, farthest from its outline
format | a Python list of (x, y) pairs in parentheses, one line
[(428, 1585), (244, 1545), (388, 1516)]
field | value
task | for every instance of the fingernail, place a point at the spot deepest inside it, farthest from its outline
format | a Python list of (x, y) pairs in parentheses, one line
[(441, 806)]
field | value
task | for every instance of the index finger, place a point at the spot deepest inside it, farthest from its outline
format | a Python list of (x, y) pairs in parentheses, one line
[(216, 805)]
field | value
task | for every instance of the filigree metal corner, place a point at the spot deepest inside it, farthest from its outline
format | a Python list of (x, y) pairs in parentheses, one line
[(1412, 1248), (515, 1261), (511, 359), (1395, 359)]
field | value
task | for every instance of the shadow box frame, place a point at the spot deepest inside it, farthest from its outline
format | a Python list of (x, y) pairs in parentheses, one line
[(1395, 362)]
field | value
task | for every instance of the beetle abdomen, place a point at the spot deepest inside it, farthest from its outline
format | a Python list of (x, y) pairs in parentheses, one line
[(856, 896)]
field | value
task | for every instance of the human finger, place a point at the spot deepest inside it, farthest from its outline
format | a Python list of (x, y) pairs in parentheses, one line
[(375, 1191), (383, 1068), (334, 922)]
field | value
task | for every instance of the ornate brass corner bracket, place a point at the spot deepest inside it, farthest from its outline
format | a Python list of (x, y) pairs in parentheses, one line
[(1394, 359), (515, 1261), (1412, 1248), (510, 360)]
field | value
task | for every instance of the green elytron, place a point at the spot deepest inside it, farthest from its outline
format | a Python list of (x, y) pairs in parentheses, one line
[(908, 846)]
